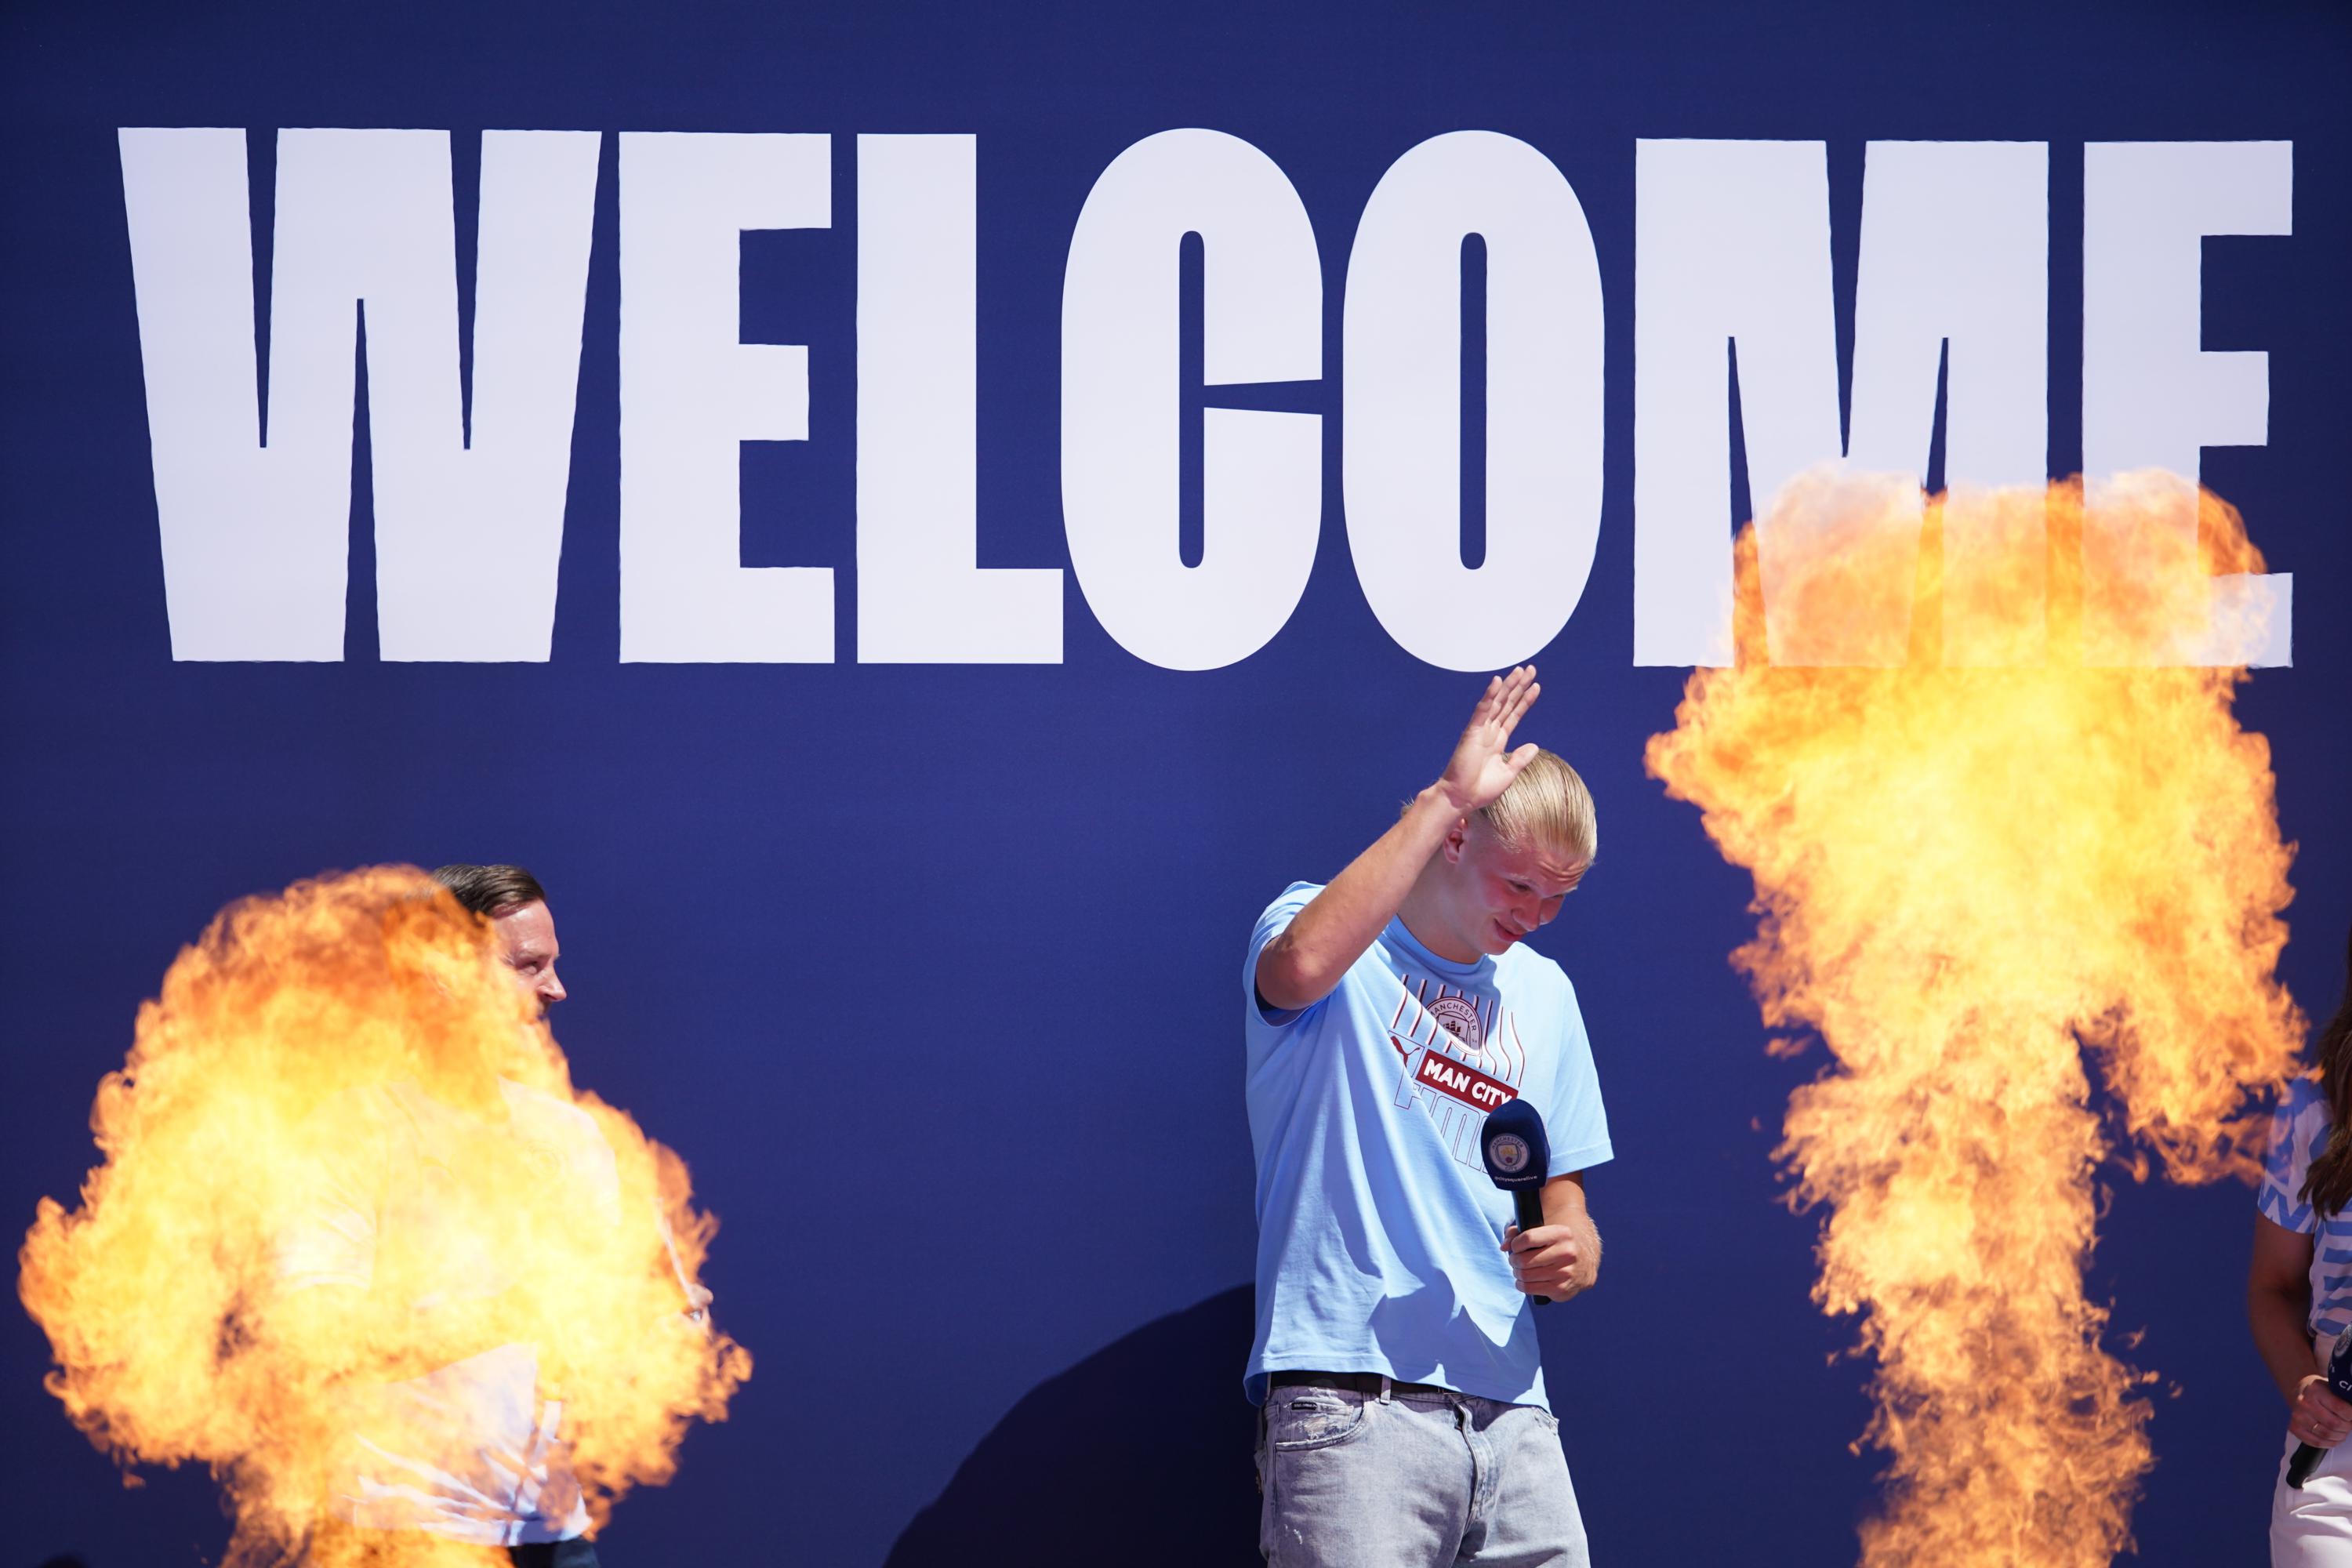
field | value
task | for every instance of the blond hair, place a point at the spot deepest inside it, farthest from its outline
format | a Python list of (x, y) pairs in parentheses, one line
[(1546, 806)]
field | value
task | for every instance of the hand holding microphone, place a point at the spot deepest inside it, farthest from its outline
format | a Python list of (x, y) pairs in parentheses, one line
[(1518, 1159), (2311, 1405)]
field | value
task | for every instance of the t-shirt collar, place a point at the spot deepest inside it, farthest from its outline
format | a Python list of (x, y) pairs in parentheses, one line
[(1402, 939)]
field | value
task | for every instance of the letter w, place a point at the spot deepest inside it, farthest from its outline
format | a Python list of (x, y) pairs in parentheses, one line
[(255, 523)]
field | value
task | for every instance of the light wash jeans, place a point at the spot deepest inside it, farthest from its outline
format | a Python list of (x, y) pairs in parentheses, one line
[(1412, 1480)]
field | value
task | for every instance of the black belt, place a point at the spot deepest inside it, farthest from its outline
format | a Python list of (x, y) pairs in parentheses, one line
[(1353, 1383)]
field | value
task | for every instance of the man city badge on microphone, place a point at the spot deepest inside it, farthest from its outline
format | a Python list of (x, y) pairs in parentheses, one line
[(1515, 1151), (1518, 1156)]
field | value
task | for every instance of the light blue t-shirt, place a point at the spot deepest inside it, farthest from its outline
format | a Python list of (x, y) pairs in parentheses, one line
[(2298, 1132), (1379, 1230)]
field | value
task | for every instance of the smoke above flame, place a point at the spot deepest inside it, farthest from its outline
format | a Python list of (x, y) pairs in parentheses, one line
[(1989, 855), (270, 1084)]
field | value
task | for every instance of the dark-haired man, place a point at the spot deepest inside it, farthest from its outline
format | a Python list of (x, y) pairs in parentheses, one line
[(472, 1450), (514, 903)]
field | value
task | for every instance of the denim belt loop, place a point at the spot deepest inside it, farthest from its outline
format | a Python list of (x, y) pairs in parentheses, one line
[(1388, 1389)]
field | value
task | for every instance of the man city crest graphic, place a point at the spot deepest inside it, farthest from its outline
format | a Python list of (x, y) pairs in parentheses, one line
[(1461, 1058), (1458, 1017)]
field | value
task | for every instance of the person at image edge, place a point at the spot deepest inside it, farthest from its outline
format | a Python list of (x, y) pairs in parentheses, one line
[(2299, 1293)]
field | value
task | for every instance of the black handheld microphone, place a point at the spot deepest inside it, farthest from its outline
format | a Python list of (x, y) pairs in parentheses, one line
[(1516, 1157), (2339, 1383)]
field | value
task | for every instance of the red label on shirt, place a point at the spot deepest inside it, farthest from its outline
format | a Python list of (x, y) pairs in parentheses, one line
[(1457, 1080)]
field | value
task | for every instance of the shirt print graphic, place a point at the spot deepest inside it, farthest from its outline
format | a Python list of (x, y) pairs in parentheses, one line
[(1461, 1056)]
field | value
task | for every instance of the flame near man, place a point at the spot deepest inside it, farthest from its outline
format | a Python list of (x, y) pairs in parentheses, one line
[(2001, 836), (360, 1246)]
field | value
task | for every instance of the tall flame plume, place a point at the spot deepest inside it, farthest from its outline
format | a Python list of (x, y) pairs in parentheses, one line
[(262, 1082), (1987, 854)]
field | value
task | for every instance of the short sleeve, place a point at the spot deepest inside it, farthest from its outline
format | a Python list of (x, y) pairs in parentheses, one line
[(1576, 1123), (1271, 924), (2296, 1128)]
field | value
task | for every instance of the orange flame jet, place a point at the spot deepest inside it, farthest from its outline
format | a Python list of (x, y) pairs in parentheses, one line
[(267, 1113), (1980, 858)]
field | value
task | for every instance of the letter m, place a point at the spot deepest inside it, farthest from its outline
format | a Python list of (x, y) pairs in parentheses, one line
[(254, 518), (1732, 257)]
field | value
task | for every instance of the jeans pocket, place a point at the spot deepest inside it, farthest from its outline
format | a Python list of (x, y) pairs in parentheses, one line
[(1300, 1417)]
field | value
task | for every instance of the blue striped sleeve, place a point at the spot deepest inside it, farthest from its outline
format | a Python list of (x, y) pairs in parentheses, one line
[(2296, 1127)]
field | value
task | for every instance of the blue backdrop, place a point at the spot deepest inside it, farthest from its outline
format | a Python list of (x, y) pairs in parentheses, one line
[(1000, 909)]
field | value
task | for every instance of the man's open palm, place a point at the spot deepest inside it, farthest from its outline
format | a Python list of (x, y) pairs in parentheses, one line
[(1483, 766)]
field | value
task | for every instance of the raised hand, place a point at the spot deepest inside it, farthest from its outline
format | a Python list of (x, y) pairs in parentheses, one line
[(1301, 966), (1483, 766)]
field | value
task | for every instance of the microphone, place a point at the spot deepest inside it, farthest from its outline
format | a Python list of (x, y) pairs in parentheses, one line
[(2339, 1383), (1518, 1156)]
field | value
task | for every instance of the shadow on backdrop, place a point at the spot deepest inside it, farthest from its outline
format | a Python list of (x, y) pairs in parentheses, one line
[(1138, 1454)]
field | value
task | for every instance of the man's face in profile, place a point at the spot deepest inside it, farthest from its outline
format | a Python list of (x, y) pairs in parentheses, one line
[(526, 943)]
